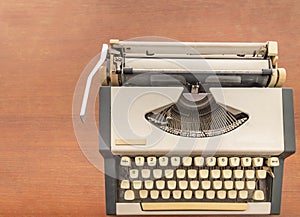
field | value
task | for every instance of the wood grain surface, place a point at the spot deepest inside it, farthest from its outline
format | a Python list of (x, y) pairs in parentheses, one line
[(45, 45)]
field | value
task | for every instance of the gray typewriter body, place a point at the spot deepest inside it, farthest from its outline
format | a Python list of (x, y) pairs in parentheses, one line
[(194, 128)]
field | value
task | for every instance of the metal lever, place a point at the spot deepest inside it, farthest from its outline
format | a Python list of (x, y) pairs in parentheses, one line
[(89, 81)]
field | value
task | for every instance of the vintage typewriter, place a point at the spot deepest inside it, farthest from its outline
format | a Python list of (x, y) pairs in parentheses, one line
[(193, 128)]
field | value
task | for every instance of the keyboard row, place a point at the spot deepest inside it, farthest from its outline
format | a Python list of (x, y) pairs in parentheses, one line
[(257, 195), (164, 161), (201, 174)]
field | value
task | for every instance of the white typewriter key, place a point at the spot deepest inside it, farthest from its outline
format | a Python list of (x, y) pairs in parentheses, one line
[(222, 161), (148, 184), (187, 194), (203, 174), (221, 195), (175, 161), (239, 185), (243, 194), (261, 174), (180, 173), (125, 184), (217, 185), (249, 174), (246, 161), (139, 161), (257, 161), (134, 174), (165, 194), (228, 184), (137, 184), (176, 194), (171, 184), (250, 185), (199, 194), (129, 195), (226, 174), (215, 174), (238, 174), (273, 162), (160, 184), (183, 184), (192, 174), (187, 161), (210, 194), (169, 174), (234, 161), (157, 173), (151, 161), (232, 194), (258, 195), (154, 194), (205, 185), (163, 161), (143, 194), (210, 161), (125, 162), (145, 173), (194, 185), (199, 161)]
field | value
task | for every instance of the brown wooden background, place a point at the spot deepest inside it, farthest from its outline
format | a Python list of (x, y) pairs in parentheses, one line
[(44, 46)]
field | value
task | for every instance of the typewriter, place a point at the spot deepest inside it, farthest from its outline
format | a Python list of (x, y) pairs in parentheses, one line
[(193, 127)]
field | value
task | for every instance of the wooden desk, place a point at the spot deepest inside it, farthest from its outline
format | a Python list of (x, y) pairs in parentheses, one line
[(44, 47)]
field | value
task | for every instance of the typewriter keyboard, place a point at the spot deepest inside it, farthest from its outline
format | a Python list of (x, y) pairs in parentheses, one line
[(192, 179)]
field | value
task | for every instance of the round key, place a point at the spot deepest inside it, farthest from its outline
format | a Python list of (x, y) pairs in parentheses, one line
[(134, 174), (154, 194), (163, 161), (238, 174), (187, 194), (125, 184), (199, 194), (151, 161), (257, 161), (239, 185), (203, 174), (210, 161), (143, 194), (183, 184), (165, 194), (171, 184), (198, 161), (210, 194), (234, 161), (125, 161), (129, 195), (228, 184), (175, 161), (205, 185), (180, 173), (145, 173), (221, 194), (148, 184), (222, 161), (261, 174), (217, 184), (139, 161), (215, 174), (176, 194), (246, 161), (194, 185), (258, 195), (250, 185), (226, 174), (137, 184), (273, 162), (169, 174), (160, 184), (192, 174), (157, 173), (249, 174), (243, 194), (187, 161), (232, 194)]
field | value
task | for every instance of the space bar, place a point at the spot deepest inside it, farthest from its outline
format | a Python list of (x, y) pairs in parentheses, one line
[(169, 206)]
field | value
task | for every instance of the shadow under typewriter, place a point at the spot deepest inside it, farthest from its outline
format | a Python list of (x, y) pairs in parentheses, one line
[(197, 116)]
